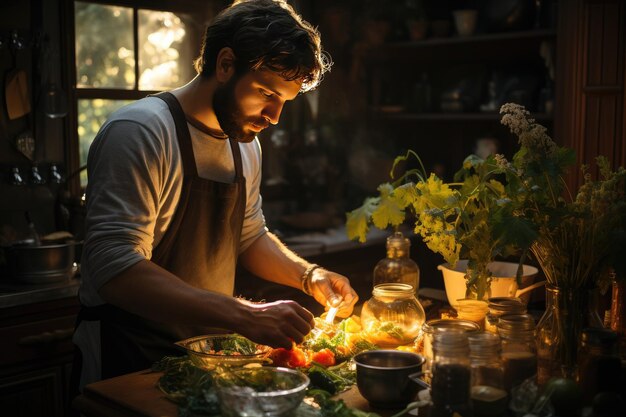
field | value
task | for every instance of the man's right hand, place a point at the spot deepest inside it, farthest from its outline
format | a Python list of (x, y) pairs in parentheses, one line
[(276, 324)]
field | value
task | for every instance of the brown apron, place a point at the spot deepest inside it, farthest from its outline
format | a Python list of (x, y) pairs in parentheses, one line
[(200, 247)]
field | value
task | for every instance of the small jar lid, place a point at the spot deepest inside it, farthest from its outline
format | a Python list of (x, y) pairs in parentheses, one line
[(437, 325), (512, 304)]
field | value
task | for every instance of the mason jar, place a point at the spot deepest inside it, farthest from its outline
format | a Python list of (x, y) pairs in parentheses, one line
[(519, 351), (443, 325), (500, 306), (451, 375), (393, 316), (489, 397)]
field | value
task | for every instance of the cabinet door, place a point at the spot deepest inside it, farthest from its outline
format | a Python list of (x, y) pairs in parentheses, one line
[(35, 394), (36, 341)]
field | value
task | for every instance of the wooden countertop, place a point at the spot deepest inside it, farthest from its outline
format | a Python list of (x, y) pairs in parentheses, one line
[(136, 395)]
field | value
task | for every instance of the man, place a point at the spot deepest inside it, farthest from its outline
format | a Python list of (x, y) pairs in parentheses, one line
[(173, 201)]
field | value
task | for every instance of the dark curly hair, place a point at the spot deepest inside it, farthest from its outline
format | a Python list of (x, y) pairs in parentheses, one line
[(265, 34)]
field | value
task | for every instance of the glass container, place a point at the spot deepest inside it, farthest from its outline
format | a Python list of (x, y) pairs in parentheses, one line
[(473, 310), (488, 395), (397, 267), (443, 325), (451, 375), (519, 353), (599, 364), (499, 306), (393, 316), (559, 330)]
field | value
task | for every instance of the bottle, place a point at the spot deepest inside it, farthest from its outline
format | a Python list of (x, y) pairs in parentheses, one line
[(451, 375), (489, 398), (392, 317), (397, 267), (500, 306), (599, 364), (519, 352)]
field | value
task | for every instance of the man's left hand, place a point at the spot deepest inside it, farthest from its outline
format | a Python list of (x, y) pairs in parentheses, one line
[(333, 290)]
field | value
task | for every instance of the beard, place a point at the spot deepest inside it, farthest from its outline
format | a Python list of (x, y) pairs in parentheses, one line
[(230, 115)]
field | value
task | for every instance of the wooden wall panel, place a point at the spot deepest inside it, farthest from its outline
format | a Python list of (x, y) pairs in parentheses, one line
[(590, 96)]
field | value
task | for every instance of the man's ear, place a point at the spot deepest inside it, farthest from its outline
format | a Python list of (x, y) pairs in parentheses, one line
[(225, 65)]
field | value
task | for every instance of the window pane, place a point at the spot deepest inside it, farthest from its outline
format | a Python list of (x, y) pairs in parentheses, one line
[(91, 115), (104, 46), (166, 51)]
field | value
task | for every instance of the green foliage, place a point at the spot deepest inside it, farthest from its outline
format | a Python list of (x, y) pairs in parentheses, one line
[(193, 389), (333, 379), (500, 208)]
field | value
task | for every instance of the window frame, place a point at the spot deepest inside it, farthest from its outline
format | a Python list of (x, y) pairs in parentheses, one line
[(205, 9)]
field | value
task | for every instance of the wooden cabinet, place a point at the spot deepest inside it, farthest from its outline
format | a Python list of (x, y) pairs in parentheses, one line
[(36, 354)]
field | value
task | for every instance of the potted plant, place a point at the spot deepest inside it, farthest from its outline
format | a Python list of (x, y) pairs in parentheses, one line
[(471, 218)]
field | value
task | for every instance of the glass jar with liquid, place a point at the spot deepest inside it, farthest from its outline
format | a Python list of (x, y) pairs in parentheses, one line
[(451, 375), (488, 395), (393, 316), (519, 352)]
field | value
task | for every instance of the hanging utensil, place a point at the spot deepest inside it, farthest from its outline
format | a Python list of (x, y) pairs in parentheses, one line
[(17, 98)]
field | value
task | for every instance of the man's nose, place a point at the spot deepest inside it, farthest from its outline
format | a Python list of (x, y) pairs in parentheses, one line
[(272, 112)]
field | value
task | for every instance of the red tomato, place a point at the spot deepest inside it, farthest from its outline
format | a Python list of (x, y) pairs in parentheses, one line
[(293, 358), (298, 358), (280, 357), (324, 357)]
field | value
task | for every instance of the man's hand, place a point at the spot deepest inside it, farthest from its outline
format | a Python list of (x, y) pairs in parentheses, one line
[(333, 290), (277, 324)]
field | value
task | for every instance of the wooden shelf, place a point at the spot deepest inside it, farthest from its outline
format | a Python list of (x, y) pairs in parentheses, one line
[(498, 46), (449, 117)]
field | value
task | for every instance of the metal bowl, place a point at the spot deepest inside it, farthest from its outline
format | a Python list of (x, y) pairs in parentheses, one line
[(263, 391), (41, 264), (202, 351)]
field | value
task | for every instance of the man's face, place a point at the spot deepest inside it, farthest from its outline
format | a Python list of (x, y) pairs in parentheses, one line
[(247, 104)]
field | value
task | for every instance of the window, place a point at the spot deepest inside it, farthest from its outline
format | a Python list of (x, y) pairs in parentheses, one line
[(123, 52)]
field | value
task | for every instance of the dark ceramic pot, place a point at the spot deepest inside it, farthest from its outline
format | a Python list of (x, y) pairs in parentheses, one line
[(389, 379)]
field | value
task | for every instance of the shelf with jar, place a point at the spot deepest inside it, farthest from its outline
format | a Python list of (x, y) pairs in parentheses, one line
[(466, 91), (504, 45)]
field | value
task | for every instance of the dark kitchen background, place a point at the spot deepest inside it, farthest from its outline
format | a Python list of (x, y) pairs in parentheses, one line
[(426, 75)]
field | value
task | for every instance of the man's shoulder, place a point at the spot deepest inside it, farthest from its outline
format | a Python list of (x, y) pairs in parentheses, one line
[(147, 111)]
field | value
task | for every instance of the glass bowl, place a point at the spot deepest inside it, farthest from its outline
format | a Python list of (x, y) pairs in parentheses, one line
[(223, 349), (261, 391)]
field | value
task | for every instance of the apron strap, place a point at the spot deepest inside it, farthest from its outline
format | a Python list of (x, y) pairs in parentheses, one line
[(182, 132), (234, 146)]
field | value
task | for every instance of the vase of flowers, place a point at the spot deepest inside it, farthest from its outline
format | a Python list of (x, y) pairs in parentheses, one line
[(575, 237)]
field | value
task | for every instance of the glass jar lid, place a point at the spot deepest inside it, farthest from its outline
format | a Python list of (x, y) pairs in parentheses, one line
[(450, 324)]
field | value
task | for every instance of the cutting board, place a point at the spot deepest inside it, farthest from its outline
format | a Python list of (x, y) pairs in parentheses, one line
[(136, 395)]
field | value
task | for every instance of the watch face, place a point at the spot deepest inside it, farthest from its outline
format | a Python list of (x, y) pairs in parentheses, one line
[(25, 143)]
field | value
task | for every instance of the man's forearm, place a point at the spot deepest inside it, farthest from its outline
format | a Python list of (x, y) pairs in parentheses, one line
[(152, 292), (270, 259)]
